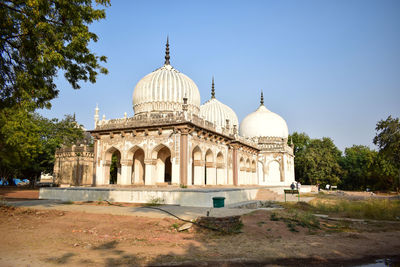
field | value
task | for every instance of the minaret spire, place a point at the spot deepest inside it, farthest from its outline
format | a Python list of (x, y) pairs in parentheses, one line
[(167, 52), (212, 88), (262, 99)]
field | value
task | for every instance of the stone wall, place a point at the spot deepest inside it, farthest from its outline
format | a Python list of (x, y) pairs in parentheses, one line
[(74, 165)]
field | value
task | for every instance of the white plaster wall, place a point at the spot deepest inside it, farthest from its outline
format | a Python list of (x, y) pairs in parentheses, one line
[(174, 197)]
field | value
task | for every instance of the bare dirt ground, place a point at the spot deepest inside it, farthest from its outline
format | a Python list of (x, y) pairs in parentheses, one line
[(15, 193), (56, 238)]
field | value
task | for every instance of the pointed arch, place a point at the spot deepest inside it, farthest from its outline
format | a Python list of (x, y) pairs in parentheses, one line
[(221, 169), (209, 156), (110, 151), (136, 155), (163, 169), (220, 160), (210, 173), (197, 166), (274, 175), (112, 166)]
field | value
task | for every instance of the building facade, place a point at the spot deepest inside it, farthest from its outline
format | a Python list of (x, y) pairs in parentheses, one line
[(172, 139)]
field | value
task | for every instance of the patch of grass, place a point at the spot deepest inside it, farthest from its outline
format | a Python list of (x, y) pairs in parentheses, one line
[(274, 217), (376, 209), (294, 218), (260, 223), (175, 226), (68, 202), (155, 201), (291, 226), (182, 186)]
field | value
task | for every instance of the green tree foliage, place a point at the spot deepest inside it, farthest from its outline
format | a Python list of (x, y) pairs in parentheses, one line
[(388, 140), (316, 160), (40, 37), (300, 142), (28, 142), (359, 163), (114, 169)]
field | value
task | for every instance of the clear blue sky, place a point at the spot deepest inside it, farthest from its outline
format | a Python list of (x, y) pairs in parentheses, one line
[(329, 68)]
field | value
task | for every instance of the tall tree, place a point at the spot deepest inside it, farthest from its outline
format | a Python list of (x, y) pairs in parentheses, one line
[(37, 39), (319, 163), (358, 164), (28, 142), (388, 140)]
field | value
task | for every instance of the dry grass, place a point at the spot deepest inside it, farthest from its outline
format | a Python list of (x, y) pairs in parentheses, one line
[(375, 209)]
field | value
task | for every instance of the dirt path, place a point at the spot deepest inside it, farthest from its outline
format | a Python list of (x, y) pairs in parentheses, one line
[(51, 238), (16, 194)]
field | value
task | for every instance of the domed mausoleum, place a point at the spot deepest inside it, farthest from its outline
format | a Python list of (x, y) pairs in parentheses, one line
[(172, 140)]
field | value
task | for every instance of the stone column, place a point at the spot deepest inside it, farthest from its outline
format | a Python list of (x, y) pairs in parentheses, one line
[(184, 155), (235, 166), (126, 172), (106, 172), (96, 140), (149, 167)]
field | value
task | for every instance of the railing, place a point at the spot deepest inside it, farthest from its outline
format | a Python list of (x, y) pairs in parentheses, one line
[(149, 119)]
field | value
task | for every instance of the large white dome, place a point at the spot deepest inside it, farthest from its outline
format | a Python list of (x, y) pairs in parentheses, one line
[(263, 123), (164, 90)]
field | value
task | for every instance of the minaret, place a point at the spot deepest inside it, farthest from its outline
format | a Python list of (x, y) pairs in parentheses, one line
[(212, 89), (262, 99), (96, 115), (167, 53)]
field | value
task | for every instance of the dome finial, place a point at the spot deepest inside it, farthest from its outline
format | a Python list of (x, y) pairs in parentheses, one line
[(212, 88), (167, 53), (262, 99)]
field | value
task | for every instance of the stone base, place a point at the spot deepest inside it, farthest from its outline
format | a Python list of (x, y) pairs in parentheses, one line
[(194, 197)]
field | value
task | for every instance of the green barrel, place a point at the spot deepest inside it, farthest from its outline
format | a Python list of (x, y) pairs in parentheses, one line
[(218, 202)]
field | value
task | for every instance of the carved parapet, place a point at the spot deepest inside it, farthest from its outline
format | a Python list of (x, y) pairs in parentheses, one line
[(145, 119)]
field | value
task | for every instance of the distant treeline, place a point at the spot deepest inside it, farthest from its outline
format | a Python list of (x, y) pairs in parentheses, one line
[(358, 168)]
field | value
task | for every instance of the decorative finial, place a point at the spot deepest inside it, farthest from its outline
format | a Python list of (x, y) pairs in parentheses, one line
[(262, 99), (212, 88), (167, 52)]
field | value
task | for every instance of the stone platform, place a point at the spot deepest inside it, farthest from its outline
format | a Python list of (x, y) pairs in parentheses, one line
[(194, 197)]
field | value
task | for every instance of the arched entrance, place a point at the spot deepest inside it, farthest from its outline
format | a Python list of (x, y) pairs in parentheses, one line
[(163, 168), (210, 175), (138, 168), (221, 173), (274, 173), (197, 167), (248, 173), (112, 170), (242, 171)]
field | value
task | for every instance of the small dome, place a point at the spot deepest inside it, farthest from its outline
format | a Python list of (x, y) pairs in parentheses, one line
[(164, 90), (263, 123), (216, 112)]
